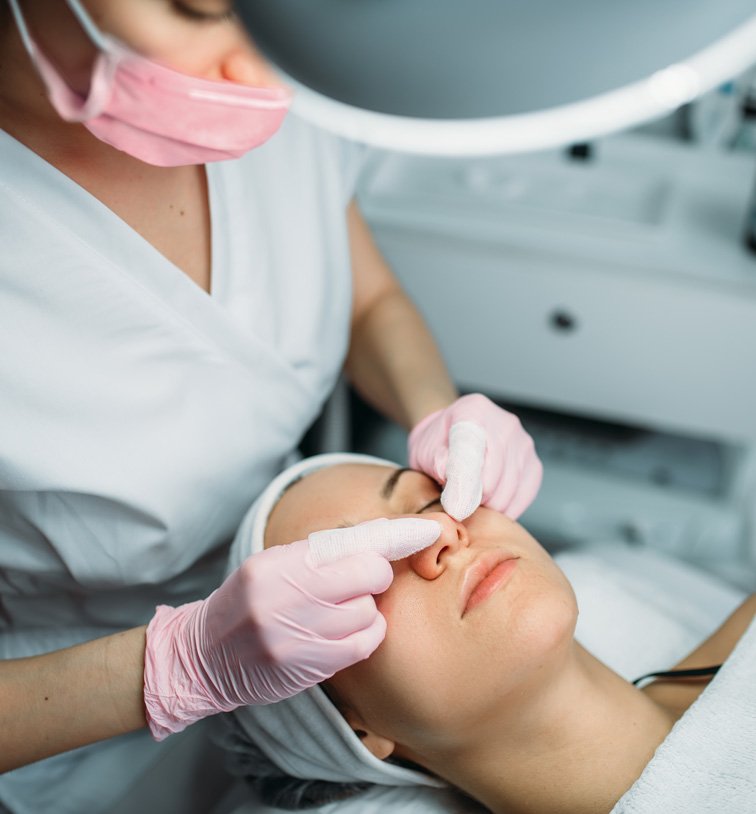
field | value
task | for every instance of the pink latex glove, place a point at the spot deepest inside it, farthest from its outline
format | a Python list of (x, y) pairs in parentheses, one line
[(286, 619), (481, 454)]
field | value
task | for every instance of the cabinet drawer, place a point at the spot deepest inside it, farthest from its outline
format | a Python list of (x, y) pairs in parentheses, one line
[(610, 342)]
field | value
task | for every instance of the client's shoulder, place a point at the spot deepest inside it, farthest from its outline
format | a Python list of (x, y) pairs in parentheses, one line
[(716, 649)]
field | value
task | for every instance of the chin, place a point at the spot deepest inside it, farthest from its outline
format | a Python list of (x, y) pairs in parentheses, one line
[(546, 619)]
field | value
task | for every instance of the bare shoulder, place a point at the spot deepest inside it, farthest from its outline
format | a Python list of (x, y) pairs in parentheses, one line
[(721, 643), (679, 695)]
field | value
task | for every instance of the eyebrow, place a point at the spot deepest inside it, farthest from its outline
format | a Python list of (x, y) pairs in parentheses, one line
[(388, 487)]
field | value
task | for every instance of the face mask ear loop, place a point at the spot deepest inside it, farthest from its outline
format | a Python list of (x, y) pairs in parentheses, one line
[(87, 23), (22, 29), (70, 106)]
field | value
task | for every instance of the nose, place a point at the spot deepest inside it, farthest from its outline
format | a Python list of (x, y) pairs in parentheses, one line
[(247, 66), (431, 562)]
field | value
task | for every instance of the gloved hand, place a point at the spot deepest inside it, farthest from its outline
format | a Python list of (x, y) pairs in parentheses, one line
[(481, 454), (286, 619)]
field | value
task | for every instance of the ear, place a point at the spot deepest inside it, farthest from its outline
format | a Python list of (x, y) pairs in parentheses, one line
[(377, 745)]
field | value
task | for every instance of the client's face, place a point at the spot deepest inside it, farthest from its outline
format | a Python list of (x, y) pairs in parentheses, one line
[(478, 618)]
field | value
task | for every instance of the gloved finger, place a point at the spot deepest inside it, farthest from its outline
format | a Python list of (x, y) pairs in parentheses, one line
[(527, 489), (464, 469), (349, 577), (392, 539), (347, 617), (505, 473), (357, 646), (502, 480)]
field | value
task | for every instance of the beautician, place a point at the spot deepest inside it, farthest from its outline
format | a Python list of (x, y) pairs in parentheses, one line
[(184, 274)]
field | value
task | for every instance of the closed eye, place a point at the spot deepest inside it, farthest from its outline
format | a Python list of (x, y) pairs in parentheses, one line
[(192, 13), (435, 502)]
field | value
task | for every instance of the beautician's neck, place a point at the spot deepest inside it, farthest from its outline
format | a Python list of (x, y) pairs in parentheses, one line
[(574, 747)]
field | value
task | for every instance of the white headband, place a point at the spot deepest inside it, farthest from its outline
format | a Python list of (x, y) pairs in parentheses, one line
[(305, 736)]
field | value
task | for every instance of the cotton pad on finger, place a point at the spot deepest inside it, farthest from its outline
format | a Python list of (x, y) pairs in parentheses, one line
[(463, 490), (392, 539)]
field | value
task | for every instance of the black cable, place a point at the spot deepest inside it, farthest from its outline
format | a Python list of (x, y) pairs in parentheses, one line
[(674, 674)]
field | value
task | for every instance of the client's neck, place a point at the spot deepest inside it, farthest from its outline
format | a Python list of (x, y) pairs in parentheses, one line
[(571, 746)]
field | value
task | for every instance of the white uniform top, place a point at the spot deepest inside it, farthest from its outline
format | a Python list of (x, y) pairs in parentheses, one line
[(140, 417)]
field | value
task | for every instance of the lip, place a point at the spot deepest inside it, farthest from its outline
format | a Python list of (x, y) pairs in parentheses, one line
[(484, 577)]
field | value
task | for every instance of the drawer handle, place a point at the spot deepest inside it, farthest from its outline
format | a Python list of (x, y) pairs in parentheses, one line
[(562, 321)]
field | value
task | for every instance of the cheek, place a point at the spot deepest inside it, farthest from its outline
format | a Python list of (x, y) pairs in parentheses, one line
[(419, 636), (421, 675), (404, 690)]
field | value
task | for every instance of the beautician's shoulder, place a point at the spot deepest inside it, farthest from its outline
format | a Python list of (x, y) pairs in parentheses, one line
[(714, 650), (340, 155), (308, 156)]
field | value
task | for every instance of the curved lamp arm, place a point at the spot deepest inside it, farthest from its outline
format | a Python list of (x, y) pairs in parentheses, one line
[(476, 77)]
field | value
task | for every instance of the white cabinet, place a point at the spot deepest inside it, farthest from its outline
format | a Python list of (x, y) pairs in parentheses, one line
[(586, 339), (619, 288)]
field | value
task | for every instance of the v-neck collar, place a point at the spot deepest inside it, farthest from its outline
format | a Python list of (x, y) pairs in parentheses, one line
[(94, 222), (64, 205)]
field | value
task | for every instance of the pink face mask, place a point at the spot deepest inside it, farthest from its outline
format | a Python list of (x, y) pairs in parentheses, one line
[(154, 113)]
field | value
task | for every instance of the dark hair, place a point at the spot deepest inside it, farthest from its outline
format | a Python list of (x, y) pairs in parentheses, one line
[(275, 788)]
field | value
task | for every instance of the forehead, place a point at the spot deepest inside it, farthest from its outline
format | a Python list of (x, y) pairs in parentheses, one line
[(343, 494)]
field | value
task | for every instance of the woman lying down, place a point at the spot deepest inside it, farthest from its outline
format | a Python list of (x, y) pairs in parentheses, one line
[(480, 683)]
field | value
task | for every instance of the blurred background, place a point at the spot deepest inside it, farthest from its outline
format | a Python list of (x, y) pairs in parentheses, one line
[(606, 293)]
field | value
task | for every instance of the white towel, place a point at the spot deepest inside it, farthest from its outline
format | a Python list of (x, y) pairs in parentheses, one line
[(707, 763)]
